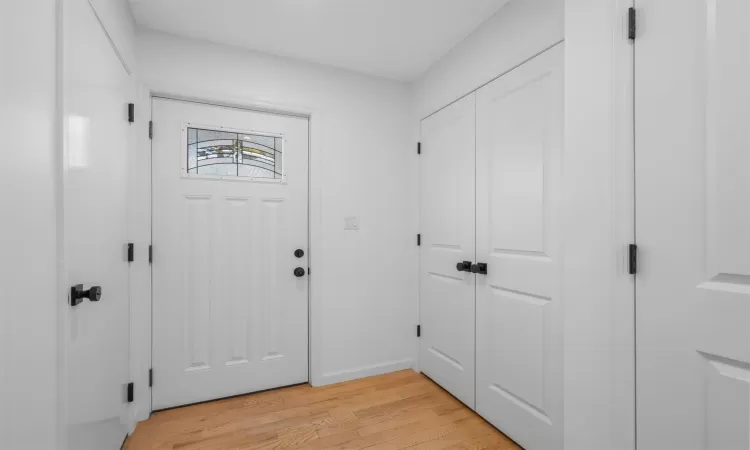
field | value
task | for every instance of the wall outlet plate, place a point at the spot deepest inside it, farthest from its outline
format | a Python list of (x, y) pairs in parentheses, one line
[(351, 223)]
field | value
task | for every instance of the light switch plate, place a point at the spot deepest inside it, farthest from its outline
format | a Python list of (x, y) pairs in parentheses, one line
[(351, 223)]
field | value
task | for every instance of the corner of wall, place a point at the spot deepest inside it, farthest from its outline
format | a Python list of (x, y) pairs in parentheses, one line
[(363, 372), (517, 32)]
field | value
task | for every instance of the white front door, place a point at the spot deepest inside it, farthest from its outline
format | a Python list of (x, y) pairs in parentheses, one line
[(692, 113), (229, 214), (447, 229), (96, 128), (519, 195)]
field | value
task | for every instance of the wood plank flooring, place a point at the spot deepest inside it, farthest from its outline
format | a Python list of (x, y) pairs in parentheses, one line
[(398, 410)]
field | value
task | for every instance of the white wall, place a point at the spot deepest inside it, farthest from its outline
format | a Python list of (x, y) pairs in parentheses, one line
[(119, 24), (363, 163), (517, 32), (28, 228)]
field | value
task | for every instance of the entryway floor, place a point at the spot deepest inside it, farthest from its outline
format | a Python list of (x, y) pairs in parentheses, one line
[(398, 410)]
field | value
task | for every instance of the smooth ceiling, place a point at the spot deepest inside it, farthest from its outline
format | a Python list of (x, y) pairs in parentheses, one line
[(397, 39)]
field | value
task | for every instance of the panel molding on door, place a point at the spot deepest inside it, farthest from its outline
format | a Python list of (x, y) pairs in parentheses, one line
[(693, 225), (519, 309), (447, 228), (230, 316)]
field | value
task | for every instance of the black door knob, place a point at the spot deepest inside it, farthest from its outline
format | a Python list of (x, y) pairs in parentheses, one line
[(480, 268), (94, 293), (464, 266), (299, 272), (77, 294), (299, 253)]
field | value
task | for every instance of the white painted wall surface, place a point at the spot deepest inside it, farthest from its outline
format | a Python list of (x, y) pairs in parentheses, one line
[(363, 159), (518, 31), (599, 225), (120, 25), (28, 229)]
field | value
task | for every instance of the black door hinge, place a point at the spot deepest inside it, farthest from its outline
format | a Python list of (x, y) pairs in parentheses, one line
[(150, 254), (131, 112), (131, 392), (632, 259), (419, 239), (419, 148), (131, 252), (150, 129), (631, 24), (150, 377), (419, 330)]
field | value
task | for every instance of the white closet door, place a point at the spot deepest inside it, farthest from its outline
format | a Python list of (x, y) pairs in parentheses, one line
[(519, 309), (693, 224), (447, 228)]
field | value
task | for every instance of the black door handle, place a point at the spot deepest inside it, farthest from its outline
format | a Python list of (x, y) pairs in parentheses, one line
[(77, 294), (299, 272), (480, 268), (299, 253), (464, 266)]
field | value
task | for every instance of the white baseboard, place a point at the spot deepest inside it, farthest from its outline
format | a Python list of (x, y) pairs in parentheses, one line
[(142, 414), (363, 372)]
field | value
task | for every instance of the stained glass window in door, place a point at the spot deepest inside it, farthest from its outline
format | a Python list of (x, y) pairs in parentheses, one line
[(234, 154)]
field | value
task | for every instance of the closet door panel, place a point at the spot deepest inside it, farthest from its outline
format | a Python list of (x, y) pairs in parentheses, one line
[(518, 194), (447, 311)]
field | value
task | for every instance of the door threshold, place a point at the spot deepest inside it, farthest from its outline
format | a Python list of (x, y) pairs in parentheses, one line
[(229, 397)]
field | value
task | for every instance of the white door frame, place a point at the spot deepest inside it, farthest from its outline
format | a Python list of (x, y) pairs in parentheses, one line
[(599, 223), (142, 318)]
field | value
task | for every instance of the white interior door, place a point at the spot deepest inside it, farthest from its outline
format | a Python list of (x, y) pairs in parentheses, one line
[(96, 129), (447, 228), (692, 66), (519, 309), (229, 212)]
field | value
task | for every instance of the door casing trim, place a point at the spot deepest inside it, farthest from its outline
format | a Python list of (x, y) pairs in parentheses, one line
[(141, 345)]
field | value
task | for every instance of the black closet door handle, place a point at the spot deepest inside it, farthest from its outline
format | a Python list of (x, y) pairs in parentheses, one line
[(77, 294), (480, 268), (299, 272), (464, 266)]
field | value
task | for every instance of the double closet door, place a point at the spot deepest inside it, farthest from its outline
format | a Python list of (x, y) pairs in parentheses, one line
[(490, 260)]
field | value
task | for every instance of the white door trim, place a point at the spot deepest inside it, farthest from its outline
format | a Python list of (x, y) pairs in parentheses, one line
[(599, 223), (142, 318)]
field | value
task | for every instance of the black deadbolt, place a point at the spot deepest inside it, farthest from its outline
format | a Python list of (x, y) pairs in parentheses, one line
[(480, 268), (299, 253), (299, 272), (464, 266), (77, 294)]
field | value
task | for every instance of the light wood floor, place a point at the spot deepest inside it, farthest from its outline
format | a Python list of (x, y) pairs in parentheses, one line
[(398, 410)]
